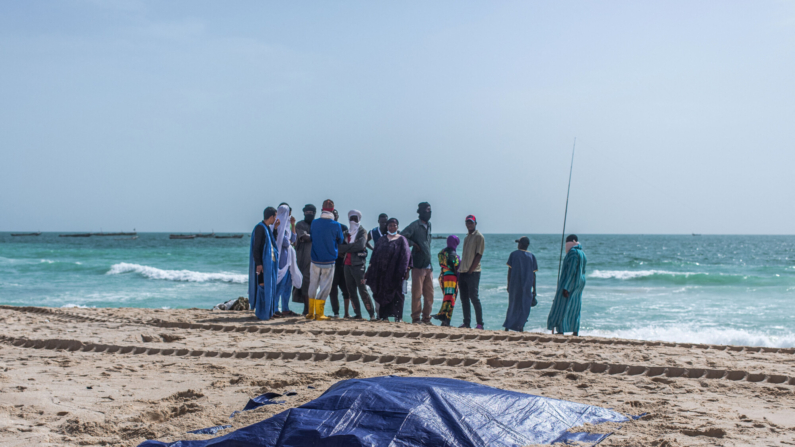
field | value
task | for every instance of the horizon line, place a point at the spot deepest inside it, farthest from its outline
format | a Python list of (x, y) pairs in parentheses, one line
[(439, 232)]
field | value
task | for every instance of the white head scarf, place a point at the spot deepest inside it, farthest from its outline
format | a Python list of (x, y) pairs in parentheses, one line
[(353, 227), (283, 216)]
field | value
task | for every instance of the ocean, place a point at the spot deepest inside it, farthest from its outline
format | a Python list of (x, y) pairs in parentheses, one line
[(699, 289)]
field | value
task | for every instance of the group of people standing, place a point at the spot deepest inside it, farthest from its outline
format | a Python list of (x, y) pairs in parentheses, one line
[(318, 258)]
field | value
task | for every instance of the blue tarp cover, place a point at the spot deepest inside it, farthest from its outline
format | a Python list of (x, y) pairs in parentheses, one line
[(417, 411), (259, 401), (210, 430)]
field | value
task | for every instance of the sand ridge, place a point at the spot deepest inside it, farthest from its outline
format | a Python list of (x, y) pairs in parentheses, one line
[(119, 376)]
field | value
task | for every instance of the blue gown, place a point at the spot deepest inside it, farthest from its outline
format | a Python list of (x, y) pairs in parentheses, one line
[(565, 313), (261, 296), (520, 294)]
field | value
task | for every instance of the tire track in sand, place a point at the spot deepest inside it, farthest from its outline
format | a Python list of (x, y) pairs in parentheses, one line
[(657, 373), (441, 336)]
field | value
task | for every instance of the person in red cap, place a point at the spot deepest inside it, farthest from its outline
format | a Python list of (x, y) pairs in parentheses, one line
[(326, 236), (469, 272)]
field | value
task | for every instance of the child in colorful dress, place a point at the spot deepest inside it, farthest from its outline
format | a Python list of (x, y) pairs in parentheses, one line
[(448, 279)]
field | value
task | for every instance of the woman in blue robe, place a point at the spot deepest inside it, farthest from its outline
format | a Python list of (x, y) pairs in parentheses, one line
[(261, 293), (565, 313)]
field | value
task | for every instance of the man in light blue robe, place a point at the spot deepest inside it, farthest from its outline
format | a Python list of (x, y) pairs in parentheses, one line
[(565, 313), (263, 267)]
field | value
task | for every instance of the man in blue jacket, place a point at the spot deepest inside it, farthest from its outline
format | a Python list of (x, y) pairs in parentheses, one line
[(326, 236)]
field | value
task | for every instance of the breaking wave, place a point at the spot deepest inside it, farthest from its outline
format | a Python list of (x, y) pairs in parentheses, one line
[(685, 334), (632, 274), (694, 278), (711, 336), (176, 275)]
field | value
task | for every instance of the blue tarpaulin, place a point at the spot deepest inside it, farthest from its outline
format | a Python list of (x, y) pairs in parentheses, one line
[(210, 430), (417, 411), (259, 401)]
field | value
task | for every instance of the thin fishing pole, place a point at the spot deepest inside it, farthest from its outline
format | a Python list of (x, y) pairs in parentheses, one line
[(566, 213)]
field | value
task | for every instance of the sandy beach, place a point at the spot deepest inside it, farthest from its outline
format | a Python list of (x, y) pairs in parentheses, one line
[(120, 376)]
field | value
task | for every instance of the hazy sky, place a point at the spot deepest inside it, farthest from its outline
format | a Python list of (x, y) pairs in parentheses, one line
[(187, 116)]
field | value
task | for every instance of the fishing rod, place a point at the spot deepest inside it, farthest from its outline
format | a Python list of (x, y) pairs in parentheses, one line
[(566, 213)]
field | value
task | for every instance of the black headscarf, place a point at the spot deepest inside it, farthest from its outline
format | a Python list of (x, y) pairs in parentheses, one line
[(421, 210), (309, 218)]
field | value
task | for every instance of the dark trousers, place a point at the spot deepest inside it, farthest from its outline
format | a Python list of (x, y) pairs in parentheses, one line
[(468, 284), (353, 279), (338, 283), (302, 295)]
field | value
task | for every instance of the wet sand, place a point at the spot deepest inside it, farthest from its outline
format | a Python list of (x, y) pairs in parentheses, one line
[(120, 376)]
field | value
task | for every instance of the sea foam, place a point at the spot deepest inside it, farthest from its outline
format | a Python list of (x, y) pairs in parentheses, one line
[(632, 274), (176, 275), (711, 336)]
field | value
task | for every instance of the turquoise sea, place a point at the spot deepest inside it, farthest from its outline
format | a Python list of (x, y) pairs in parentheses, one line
[(706, 289)]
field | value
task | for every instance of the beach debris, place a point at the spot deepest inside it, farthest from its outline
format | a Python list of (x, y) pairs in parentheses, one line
[(240, 303), (422, 411)]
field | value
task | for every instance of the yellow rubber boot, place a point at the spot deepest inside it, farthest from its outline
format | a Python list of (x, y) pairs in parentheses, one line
[(311, 313), (320, 310)]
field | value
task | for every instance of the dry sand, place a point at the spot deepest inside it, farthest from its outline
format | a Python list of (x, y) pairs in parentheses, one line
[(120, 376)]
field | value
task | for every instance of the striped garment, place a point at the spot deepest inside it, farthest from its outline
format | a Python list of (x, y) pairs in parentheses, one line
[(448, 280), (565, 313)]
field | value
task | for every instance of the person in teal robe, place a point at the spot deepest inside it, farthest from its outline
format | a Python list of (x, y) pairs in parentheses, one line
[(565, 313), (263, 266)]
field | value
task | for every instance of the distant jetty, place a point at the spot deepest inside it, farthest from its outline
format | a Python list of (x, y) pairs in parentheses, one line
[(115, 234), (206, 235), (121, 233), (26, 234)]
